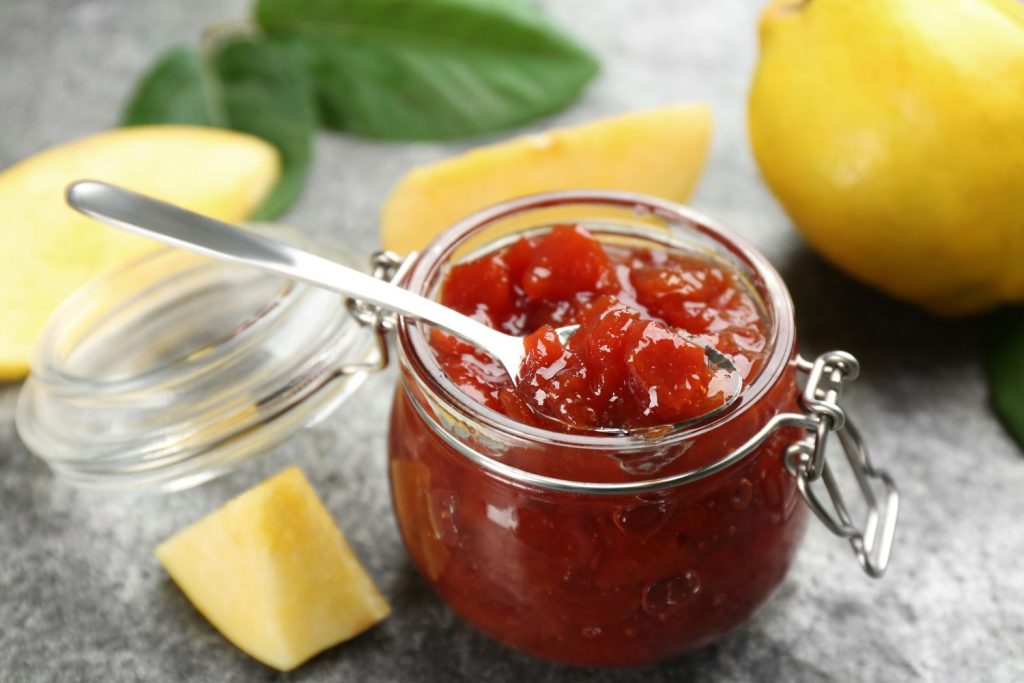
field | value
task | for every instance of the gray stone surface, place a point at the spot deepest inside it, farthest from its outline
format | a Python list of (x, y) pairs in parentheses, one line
[(82, 599)]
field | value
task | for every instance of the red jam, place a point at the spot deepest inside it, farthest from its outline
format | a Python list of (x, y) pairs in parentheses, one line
[(579, 577), (617, 370), (624, 367)]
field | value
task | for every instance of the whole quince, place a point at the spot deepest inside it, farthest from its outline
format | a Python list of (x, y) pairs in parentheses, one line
[(892, 131)]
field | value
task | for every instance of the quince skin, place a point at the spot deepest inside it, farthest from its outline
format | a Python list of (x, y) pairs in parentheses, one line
[(892, 131)]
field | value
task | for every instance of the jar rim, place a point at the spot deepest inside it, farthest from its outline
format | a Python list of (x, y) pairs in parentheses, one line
[(415, 349)]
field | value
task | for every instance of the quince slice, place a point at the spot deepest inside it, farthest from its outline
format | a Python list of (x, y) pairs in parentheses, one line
[(274, 574), (659, 152), (50, 250)]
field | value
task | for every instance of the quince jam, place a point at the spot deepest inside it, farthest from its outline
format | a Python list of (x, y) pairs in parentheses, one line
[(625, 367), (580, 576)]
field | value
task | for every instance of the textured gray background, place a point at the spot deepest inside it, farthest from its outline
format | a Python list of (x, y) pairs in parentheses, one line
[(81, 597)]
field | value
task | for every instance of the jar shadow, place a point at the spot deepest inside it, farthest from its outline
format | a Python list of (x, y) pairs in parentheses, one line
[(473, 655), (196, 646), (888, 336)]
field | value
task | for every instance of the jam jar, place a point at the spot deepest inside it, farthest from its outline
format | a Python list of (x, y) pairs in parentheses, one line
[(591, 548), (604, 550)]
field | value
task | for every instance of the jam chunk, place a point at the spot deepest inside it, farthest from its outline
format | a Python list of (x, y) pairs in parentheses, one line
[(617, 370), (566, 262)]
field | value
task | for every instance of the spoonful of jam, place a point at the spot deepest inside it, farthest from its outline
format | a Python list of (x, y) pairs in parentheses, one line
[(619, 336), (547, 367)]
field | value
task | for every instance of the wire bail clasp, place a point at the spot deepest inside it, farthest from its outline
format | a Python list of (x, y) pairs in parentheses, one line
[(807, 461), (388, 266)]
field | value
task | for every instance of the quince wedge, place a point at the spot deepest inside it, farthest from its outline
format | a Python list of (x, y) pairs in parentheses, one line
[(274, 574), (658, 152), (49, 250)]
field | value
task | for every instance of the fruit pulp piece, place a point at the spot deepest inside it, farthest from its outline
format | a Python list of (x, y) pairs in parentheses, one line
[(410, 488), (495, 299), (678, 291), (274, 574), (568, 260), (51, 250), (668, 376)]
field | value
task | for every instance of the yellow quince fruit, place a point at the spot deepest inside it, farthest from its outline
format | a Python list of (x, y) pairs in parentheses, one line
[(659, 152), (892, 131), (47, 250)]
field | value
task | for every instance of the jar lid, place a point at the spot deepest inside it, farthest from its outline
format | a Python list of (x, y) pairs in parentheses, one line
[(173, 369)]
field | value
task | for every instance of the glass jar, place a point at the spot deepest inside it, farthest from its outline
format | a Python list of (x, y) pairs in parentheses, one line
[(583, 548), (611, 550)]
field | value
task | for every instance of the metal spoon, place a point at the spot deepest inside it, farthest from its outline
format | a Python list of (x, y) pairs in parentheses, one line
[(135, 213)]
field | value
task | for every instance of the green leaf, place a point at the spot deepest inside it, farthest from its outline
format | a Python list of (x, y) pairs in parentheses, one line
[(1004, 365), (173, 91), (243, 84), (416, 69)]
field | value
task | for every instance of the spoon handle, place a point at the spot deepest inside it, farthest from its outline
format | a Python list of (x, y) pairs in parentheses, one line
[(178, 227)]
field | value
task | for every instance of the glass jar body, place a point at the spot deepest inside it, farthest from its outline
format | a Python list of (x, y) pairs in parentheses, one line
[(597, 579)]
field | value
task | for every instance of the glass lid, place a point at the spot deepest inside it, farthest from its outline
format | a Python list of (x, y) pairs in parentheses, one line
[(171, 370)]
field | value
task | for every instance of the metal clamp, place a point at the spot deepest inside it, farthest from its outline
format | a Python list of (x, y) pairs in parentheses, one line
[(385, 265), (807, 461)]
